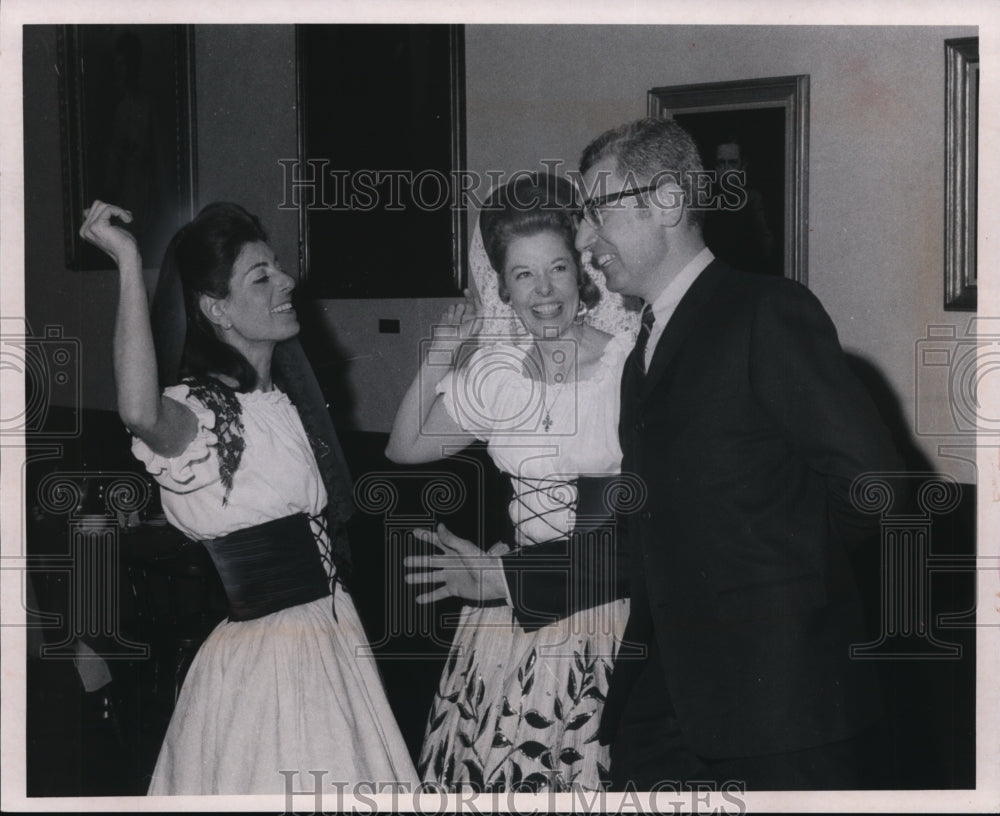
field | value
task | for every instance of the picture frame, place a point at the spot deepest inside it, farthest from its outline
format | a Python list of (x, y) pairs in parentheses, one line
[(760, 121), (379, 200), (127, 128), (960, 171)]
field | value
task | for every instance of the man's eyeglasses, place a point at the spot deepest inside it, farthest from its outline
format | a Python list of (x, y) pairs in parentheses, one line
[(590, 210)]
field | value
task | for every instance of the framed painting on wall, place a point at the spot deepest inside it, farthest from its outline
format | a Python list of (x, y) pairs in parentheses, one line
[(127, 126), (381, 149), (960, 167), (758, 128)]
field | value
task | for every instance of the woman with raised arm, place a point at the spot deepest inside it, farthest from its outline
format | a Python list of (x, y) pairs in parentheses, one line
[(255, 472), (518, 705)]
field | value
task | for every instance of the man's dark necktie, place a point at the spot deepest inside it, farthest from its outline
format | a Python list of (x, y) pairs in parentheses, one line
[(645, 329)]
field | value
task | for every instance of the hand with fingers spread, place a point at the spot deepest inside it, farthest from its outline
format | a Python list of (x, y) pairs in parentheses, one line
[(462, 569), (115, 240)]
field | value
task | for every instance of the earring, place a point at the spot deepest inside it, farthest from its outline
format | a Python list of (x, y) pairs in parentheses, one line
[(581, 311), (227, 326)]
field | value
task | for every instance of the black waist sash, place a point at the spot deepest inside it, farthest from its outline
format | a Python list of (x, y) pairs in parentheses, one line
[(585, 569), (269, 567), (594, 506)]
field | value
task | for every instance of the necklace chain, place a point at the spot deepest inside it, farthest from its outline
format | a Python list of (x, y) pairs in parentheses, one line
[(560, 379), (547, 422)]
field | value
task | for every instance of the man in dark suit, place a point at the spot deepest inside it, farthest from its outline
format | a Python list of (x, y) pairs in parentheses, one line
[(742, 419)]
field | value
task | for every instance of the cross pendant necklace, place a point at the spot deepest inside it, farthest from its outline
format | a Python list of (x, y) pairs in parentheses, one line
[(547, 421)]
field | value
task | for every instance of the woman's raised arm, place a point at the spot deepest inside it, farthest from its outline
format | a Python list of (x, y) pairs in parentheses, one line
[(422, 428), (164, 424)]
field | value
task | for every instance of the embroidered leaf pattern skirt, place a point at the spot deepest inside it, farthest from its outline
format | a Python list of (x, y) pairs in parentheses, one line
[(520, 710)]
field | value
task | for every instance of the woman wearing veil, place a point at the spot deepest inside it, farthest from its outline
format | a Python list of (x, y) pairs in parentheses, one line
[(536, 376), (247, 461)]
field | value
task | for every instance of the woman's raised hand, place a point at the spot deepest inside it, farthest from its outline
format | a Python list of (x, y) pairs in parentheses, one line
[(116, 241), (459, 322)]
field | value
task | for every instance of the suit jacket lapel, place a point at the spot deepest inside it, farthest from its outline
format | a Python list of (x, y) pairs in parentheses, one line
[(684, 319)]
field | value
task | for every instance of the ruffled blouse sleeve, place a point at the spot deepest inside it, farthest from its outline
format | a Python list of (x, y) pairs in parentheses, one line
[(197, 465)]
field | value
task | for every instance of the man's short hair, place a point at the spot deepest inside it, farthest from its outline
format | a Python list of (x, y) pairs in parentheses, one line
[(646, 149)]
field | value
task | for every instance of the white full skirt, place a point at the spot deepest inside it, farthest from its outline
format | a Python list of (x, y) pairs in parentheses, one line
[(292, 691)]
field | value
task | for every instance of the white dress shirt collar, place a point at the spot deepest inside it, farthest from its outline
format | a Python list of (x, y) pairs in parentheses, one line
[(665, 305)]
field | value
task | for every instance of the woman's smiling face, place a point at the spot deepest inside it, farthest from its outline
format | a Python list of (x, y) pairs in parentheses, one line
[(541, 277), (259, 305)]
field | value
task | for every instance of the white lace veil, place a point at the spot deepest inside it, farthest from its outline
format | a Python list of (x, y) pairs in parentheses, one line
[(610, 314)]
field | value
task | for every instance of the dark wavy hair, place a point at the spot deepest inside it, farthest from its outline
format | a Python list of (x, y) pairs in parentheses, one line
[(203, 253), (529, 204)]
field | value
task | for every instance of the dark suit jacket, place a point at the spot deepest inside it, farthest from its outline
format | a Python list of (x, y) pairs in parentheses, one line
[(747, 432)]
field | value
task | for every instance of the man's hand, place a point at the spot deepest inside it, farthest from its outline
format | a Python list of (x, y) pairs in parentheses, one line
[(462, 569)]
